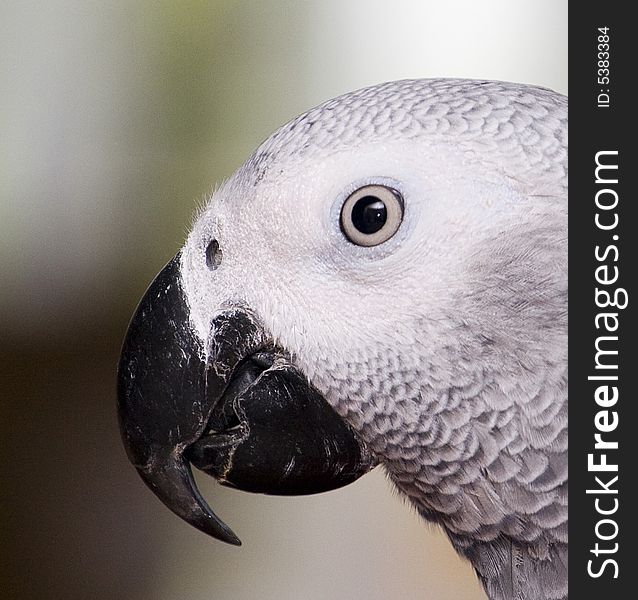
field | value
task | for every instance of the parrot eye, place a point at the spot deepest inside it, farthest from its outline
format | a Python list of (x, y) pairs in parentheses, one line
[(371, 215)]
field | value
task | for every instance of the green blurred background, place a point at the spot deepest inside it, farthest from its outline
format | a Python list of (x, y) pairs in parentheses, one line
[(116, 120)]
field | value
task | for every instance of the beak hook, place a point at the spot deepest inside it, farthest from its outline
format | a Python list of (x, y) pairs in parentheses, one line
[(172, 481)]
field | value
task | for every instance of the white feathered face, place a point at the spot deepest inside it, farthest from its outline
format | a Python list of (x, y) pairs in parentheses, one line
[(348, 312), (401, 260), (286, 251)]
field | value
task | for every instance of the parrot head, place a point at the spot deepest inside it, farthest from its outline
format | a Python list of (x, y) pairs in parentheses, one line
[(377, 267)]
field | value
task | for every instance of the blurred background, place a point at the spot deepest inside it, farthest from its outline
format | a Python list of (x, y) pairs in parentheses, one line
[(116, 120)]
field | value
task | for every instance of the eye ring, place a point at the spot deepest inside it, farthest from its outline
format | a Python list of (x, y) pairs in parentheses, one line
[(371, 215)]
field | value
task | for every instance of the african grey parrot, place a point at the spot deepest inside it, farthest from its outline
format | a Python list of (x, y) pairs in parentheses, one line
[(382, 282)]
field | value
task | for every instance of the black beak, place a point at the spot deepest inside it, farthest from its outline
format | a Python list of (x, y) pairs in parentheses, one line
[(234, 407)]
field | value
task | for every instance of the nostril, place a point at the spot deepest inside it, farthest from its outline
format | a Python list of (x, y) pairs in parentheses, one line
[(213, 255)]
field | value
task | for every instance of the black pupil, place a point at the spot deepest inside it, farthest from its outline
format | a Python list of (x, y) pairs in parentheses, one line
[(369, 214)]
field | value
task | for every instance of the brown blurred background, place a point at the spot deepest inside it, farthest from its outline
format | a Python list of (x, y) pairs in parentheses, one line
[(116, 119)]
